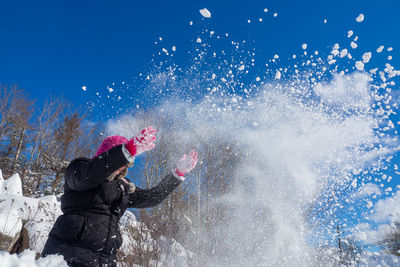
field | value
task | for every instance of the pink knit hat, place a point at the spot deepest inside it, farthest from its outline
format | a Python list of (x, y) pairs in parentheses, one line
[(110, 142)]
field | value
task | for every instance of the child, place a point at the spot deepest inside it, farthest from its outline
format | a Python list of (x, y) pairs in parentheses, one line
[(96, 195)]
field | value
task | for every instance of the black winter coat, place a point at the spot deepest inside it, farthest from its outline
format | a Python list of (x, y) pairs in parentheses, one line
[(88, 233)]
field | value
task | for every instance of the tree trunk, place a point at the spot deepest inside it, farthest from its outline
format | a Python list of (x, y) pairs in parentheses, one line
[(18, 152)]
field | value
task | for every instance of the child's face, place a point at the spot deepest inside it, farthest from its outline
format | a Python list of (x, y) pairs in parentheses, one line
[(120, 170)]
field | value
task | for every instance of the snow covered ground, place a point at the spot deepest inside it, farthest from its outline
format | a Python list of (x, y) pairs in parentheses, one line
[(36, 214), (27, 258)]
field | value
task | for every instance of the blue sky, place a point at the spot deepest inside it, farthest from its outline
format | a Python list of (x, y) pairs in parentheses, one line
[(58, 46)]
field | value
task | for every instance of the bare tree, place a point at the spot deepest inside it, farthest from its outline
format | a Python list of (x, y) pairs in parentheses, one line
[(8, 107), (16, 111), (72, 138), (391, 240), (41, 138)]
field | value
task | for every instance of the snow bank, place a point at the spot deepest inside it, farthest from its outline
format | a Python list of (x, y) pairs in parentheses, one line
[(37, 215), (11, 186), (10, 221)]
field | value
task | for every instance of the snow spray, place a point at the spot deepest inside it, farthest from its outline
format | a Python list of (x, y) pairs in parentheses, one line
[(312, 143)]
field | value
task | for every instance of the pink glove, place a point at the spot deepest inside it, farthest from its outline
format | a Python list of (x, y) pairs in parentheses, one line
[(186, 164), (142, 142)]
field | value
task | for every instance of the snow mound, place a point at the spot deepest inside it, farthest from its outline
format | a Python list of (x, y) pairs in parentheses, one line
[(11, 186), (37, 215)]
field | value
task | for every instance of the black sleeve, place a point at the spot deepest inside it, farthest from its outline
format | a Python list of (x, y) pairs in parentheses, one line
[(84, 174), (146, 198)]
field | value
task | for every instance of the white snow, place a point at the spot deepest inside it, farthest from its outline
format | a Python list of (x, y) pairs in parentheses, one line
[(349, 90), (343, 53), (278, 75), (359, 65), (205, 13), (390, 49), (40, 213), (173, 48), (366, 57), (389, 69), (367, 190), (175, 255), (353, 45), (360, 18), (198, 40), (27, 258), (335, 52), (349, 33), (387, 210), (275, 15), (304, 46), (84, 88), (378, 259), (380, 49), (241, 67), (265, 10), (292, 148), (11, 186), (365, 233), (354, 183)]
